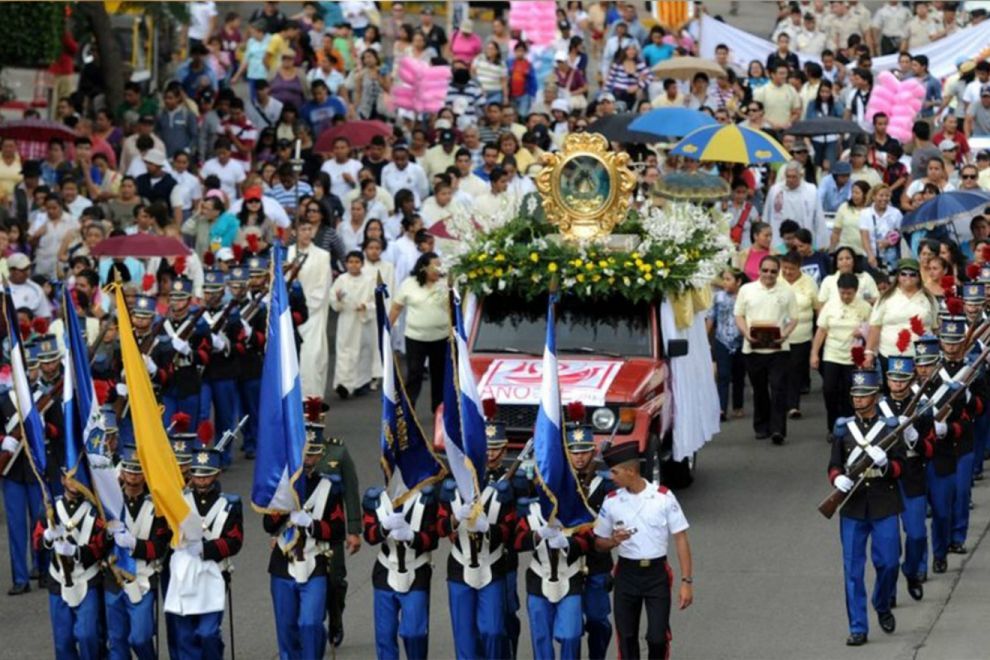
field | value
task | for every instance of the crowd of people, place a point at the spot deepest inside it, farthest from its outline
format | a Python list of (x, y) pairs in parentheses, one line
[(230, 155)]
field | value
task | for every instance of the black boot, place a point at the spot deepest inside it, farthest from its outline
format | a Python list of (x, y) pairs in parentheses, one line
[(915, 589), (887, 621), (856, 639)]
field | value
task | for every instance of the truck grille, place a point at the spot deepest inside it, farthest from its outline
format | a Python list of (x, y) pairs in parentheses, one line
[(519, 419)]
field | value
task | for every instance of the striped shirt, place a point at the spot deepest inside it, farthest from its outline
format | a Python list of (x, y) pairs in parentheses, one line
[(490, 75), (286, 198), (619, 80)]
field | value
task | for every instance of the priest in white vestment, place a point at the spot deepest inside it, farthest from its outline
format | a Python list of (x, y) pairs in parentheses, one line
[(316, 278), (353, 298)]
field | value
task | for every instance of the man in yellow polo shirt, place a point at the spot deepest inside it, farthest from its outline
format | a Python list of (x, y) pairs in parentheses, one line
[(781, 102), (767, 307)]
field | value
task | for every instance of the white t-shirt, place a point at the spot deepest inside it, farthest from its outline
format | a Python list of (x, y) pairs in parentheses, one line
[(879, 225), (231, 175), (335, 170), (200, 14), (188, 190), (653, 514)]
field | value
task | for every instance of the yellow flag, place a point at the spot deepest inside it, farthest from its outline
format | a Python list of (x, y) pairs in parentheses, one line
[(161, 470)]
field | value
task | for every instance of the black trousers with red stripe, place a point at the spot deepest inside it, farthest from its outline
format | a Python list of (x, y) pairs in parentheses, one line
[(637, 587)]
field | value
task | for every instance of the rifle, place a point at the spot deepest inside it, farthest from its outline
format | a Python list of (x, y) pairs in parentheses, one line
[(251, 309), (230, 434), (95, 348), (521, 458), (43, 403), (857, 472), (148, 341)]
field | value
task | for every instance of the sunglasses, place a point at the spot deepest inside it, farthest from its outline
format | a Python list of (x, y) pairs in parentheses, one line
[(969, 177), (909, 273), (769, 271), (252, 201), (755, 110)]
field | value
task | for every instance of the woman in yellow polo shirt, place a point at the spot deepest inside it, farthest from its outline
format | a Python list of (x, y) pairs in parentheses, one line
[(841, 322), (894, 311), (806, 296)]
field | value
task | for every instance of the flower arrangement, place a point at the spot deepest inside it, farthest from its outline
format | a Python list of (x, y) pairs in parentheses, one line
[(677, 247)]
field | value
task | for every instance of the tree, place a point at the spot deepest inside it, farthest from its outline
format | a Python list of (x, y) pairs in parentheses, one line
[(30, 33), (111, 62)]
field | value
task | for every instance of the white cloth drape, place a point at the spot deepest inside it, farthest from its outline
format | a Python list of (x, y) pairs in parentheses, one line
[(695, 397)]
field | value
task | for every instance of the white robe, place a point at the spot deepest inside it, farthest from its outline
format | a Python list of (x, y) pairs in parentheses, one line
[(315, 277), (387, 271), (355, 330)]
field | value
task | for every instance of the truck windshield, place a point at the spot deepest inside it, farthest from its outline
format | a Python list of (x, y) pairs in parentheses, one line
[(615, 328)]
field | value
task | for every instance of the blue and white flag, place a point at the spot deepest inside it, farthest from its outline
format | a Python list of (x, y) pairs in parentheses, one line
[(32, 425), (278, 479), (561, 498), (403, 443), (463, 414)]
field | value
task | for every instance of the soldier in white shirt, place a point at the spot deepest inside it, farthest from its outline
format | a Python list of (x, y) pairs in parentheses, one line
[(639, 518), (890, 26)]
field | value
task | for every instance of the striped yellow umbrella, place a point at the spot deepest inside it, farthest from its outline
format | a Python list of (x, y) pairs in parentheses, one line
[(730, 144)]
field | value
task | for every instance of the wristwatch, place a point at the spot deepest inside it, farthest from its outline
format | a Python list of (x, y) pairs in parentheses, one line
[(688, 580)]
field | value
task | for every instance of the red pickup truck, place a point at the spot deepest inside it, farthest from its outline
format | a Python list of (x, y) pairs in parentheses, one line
[(611, 357)]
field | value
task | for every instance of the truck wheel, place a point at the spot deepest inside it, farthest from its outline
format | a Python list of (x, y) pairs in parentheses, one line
[(678, 474)]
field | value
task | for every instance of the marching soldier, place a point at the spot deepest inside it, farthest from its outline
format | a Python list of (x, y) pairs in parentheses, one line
[(554, 580), (254, 329), (299, 561), (179, 357), (479, 535), (183, 443), (22, 502), (144, 536), (219, 387), (639, 518), (407, 535), (198, 632), (50, 380), (595, 486), (143, 320), (78, 540), (871, 511), (917, 450), (974, 298), (337, 462)]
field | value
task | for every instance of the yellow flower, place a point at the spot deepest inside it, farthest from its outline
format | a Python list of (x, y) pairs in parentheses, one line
[(580, 277), (627, 264), (647, 277), (534, 257), (589, 266), (596, 277), (659, 263), (646, 268), (498, 272), (635, 255), (552, 267), (603, 264), (611, 280), (499, 258), (577, 263)]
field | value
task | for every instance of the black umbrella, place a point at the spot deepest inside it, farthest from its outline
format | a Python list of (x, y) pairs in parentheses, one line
[(615, 128), (824, 126)]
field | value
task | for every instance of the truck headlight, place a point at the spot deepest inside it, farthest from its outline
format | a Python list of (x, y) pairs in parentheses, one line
[(603, 419)]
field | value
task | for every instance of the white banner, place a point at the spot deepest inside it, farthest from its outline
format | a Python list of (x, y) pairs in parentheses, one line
[(942, 54), (514, 381)]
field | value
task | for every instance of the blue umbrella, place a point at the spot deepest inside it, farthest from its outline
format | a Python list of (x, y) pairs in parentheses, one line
[(730, 143), (673, 122), (946, 208)]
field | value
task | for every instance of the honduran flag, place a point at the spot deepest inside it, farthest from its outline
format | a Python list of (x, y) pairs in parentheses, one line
[(279, 482), (403, 443), (561, 498)]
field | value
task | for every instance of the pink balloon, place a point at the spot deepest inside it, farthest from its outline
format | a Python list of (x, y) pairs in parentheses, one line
[(887, 80)]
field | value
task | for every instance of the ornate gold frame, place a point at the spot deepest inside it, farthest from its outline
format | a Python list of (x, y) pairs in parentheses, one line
[(588, 222)]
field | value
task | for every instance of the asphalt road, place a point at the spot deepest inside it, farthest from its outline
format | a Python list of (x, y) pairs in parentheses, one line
[(768, 580)]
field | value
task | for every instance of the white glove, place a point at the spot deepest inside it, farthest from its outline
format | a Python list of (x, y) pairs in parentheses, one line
[(877, 455), (481, 524), (300, 519), (402, 533), (125, 539), (843, 483), (910, 435), (969, 395), (150, 365), (941, 428), (463, 512), (247, 327), (193, 548), (65, 548), (547, 532), (52, 533), (10, 443), (181, 346), (558, 542), (121, 389), (393, 521), (220, 343)]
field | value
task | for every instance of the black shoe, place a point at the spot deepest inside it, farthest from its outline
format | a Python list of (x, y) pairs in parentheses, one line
[(794, 413), (342, 392), (958, 549), (915, 589), (337, 637), (893, 602), (923, 578), (722, 417), (887, 621), (762, 436), (19, 589), (856, 639), (940, 566), (777, 439)]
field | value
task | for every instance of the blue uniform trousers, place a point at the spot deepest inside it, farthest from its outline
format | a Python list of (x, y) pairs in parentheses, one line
[(299, 611), (941, 491), (223, 397), (402, 615), (250, 391), (555, 621), (597, 615), (478, 619), (513, 627), (22, 506), (198, 636), (981, 429), (187, 404), (885, 549), (130, 626), (76, 629), (960, 502), (915, 535)]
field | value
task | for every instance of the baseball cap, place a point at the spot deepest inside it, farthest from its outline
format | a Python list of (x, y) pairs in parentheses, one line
[(560, 104), (283, 143), (947, 145), (155, 157), (253, 192), (19, 260), (560, 56), (842, 168), (147, 119), (607, 96), (467, 25), (858, 150), (985, 90)]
